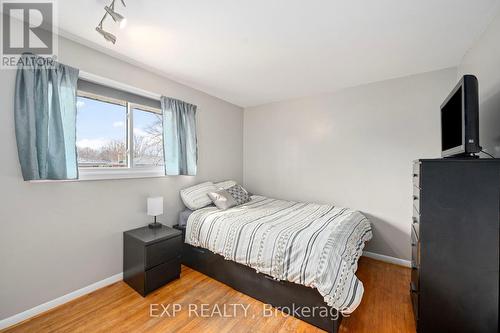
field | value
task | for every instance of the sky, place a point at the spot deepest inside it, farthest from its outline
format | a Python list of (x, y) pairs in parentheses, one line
[(98, 123)]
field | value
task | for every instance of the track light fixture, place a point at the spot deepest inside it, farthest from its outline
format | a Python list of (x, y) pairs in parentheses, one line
[(108, 36), (118, 18)]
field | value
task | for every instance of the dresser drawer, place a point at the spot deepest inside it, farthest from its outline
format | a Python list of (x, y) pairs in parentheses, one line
[(415, 246), (416, 227), (416, 199), (415, 217), (416, 191), (415, 278), (162, 274), (416, 203), (415, 261), (416, 174), (414, 303), (416, 168), (416, 211), (416, 181), (163, 251)]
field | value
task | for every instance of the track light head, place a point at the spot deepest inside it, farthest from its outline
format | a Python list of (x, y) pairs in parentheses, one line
[(108, 36), (116, 17), (123, 23)]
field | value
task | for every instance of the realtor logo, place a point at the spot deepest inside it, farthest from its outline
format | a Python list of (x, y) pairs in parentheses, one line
[(27, 27)]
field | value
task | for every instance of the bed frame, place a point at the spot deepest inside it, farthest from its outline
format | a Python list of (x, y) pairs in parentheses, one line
[(283, 295)]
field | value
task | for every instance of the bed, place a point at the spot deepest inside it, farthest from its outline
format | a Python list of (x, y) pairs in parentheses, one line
[(287, 254)]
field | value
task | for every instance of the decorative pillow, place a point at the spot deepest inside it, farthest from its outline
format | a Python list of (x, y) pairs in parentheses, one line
[(239, 194), (225, 184), (222, 199), (196, 197)]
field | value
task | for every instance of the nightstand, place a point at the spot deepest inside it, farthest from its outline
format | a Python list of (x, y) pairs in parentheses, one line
[(151, 257)]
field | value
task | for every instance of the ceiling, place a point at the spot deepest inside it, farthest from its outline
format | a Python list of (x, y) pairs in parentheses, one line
[(261, 51)]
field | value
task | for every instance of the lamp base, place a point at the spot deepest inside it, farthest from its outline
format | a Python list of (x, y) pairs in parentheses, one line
[(155, 225)]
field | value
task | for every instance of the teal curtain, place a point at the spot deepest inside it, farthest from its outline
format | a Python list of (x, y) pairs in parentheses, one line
[(45, 119), (179, 137)]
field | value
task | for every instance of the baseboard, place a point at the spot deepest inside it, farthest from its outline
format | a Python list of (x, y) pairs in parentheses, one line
[(389, 259), (17, 318)]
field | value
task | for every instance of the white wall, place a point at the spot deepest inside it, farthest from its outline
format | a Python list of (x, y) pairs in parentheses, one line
[(483, 60), (59, 237), (353, 148)]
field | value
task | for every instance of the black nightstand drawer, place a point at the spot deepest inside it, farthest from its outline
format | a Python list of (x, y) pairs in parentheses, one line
[(151, 257), (163, 251), (158, 276)]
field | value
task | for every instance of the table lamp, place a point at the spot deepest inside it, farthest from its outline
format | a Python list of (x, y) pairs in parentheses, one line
[(155, 208)]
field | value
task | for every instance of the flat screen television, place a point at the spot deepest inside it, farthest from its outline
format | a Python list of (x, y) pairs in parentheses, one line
[(460, 120)]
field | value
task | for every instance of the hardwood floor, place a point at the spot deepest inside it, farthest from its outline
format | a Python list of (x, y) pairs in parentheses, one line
[(385, 307)]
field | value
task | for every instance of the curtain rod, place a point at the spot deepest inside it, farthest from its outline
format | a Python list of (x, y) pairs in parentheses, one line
[(117, 85)]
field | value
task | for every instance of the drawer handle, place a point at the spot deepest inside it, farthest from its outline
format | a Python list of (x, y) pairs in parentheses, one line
[(415, 175), (414, 219), (413, 244), (199, 250), (272, 279), (415, 197)]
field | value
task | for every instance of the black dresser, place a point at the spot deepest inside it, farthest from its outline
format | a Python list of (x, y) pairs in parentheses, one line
[(455, 240), (151, 257)]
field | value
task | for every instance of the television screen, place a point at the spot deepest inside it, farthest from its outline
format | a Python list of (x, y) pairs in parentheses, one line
[(451, 122)]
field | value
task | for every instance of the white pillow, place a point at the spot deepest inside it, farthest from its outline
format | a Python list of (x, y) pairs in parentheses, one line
[(225, 184), (196, 197), (222, 199)]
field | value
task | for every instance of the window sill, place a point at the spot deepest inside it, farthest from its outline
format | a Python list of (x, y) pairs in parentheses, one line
[(86, 174), (100, 174)]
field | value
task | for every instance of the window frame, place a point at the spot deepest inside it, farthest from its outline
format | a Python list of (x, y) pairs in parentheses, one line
[(130, 132), (128, 171)]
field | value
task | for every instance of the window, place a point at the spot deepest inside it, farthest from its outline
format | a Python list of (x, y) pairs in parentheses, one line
[(118, 138), (148, 138), (101, 136)]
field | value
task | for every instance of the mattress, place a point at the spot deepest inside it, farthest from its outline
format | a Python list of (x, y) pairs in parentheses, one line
[(310, 244)]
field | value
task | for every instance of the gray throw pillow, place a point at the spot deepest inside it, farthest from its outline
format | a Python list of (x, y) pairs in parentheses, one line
[(222, 199), (239, 194)]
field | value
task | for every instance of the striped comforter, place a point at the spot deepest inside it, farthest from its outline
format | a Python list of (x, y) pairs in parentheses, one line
[(314, 245)]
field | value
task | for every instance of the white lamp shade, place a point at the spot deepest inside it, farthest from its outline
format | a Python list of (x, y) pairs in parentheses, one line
[(155, 206)]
